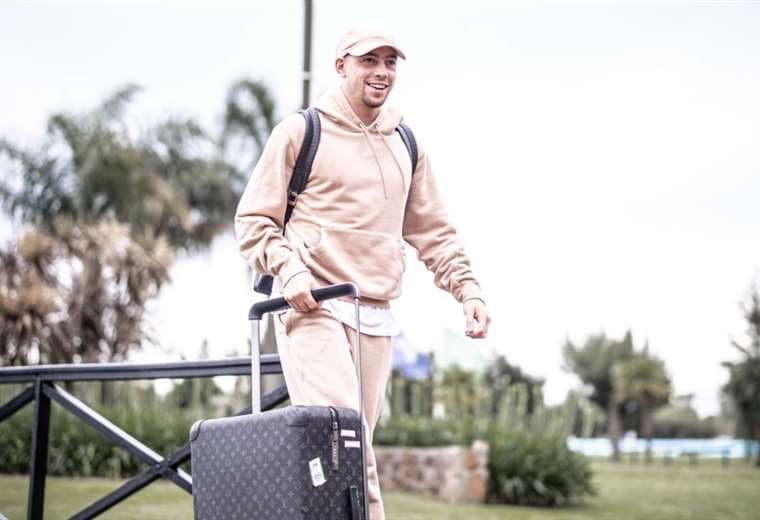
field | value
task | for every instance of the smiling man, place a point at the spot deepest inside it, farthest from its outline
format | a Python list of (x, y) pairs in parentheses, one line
[(362, 202)]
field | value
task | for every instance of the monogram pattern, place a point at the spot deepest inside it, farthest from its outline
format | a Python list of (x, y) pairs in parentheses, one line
[(257, 466)]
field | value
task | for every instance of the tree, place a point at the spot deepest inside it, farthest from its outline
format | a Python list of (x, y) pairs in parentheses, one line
[(644, 381), (249, 117), (744, 376), (592, 363), (110, 204), (78, 295), (168, 182)]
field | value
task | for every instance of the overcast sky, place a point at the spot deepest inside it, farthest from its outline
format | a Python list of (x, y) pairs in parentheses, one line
[(600, 159)]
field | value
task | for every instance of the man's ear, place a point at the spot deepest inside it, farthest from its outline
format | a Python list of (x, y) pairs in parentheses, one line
[(340, 67)]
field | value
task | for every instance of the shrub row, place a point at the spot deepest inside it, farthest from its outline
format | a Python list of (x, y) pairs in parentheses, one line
[(527, 465), (76, 449)]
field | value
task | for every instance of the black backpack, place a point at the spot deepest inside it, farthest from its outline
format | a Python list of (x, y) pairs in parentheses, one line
[(263, 282)]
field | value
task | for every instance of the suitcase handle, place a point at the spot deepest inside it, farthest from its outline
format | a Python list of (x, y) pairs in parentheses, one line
[(325, 293)]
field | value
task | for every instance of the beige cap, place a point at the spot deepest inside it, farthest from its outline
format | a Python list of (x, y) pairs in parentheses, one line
[(360, 42)]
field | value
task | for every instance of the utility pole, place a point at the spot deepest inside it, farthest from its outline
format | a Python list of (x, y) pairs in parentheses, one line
[(306, 52)]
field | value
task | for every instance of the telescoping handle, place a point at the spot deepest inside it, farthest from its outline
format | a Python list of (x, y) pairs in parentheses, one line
[(278, 304), (258, 310)]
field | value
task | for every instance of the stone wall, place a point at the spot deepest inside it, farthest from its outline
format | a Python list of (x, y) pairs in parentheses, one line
[(455, 474)]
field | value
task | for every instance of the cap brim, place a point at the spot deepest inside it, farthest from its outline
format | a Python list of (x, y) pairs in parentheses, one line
[(362, 48)]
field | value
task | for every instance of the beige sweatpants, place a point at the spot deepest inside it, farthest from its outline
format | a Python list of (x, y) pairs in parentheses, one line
[(316, 352)]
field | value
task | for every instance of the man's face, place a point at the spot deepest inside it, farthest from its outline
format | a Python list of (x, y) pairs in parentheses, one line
[(368, 79)]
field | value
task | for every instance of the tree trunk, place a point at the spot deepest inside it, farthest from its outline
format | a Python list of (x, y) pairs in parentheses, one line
[(647, 428), (106, 393), (408, 398), (531, 403), (614, 427)]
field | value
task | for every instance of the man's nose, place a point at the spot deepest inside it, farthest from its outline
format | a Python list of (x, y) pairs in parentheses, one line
[(381, 70)]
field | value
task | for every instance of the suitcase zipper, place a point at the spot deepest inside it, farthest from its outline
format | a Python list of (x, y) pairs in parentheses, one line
[(335, 439)]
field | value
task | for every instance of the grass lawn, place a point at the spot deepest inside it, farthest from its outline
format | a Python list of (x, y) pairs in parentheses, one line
[(626, 491)]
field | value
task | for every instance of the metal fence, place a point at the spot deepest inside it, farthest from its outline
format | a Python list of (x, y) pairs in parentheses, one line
[(43, 390)]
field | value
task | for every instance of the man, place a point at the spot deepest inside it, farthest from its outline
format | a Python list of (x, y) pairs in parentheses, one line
[(361, 203)]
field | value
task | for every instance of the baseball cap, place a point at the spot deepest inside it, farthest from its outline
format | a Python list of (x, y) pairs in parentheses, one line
[(360, 42)]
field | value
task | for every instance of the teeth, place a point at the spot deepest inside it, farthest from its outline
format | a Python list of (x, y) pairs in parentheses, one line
[(379, 86)]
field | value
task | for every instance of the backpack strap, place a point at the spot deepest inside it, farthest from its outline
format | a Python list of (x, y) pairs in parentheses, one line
[(305, 159), (308, 151), (263, 282), (410, 142)]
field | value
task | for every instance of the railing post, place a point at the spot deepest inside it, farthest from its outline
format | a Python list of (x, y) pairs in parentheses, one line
[(38, 465)]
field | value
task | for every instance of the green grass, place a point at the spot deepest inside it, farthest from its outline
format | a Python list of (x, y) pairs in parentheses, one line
[(626, 491)]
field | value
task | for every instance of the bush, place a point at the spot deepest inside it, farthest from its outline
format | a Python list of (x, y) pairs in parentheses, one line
[(535, 469), (76, 449), (680, 422), (426, 432)]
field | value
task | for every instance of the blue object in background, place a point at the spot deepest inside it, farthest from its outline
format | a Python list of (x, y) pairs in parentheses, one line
[(412, 365), (708, 448)]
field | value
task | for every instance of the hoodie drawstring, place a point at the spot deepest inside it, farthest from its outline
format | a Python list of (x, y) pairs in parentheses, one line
[(337, 107), (387, 144)]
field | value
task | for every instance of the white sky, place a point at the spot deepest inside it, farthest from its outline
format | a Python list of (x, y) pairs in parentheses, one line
[(600, 159)]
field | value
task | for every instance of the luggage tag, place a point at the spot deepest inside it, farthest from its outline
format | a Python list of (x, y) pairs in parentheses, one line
[(317, 473)]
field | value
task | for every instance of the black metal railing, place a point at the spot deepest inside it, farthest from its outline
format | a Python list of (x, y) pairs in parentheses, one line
[(43, 391)]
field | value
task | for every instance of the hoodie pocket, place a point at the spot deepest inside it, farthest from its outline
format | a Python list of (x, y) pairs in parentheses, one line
[(374, 261)]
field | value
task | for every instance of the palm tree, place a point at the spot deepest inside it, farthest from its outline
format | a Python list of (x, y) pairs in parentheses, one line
[(110, 204), (249, 117), (592, 363), (169, 182), (79, 295), (744, 376), (28, 297), (642, 380)]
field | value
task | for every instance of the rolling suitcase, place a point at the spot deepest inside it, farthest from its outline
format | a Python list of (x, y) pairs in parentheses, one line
[(300, 462)]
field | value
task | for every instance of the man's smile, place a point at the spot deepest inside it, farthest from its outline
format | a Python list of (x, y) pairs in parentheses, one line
[(377, 86)]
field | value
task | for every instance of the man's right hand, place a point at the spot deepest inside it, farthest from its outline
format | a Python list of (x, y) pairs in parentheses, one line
[(297, 292)]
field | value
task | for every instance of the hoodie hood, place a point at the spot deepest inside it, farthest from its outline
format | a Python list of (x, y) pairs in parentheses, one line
[(334, 105)]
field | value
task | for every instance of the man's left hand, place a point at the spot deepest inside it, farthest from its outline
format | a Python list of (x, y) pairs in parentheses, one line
[(478, 319)]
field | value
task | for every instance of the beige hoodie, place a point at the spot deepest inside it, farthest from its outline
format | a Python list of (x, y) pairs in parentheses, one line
[(358, 208)]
